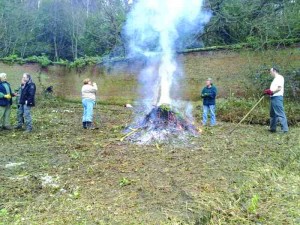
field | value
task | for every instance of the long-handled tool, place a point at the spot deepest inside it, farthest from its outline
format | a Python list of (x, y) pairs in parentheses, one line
[(130, 133), (262, 97)]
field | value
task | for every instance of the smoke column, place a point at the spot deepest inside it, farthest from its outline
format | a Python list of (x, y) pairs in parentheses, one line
[(153, 29)]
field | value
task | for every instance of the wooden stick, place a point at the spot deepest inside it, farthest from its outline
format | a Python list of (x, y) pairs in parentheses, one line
[(247, 114), (130, 133)]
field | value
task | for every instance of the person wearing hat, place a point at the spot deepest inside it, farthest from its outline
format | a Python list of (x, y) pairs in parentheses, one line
[(276, 92), (5, 102), (208, 94)]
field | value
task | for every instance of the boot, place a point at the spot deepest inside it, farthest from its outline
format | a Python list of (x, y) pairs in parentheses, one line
[(89, 125), (84, 125), (18, 127)]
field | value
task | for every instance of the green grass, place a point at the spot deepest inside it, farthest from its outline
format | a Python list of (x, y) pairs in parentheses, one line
[(248, 177)]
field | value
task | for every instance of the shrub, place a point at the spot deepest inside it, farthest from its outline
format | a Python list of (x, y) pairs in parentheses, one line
[(61, 62), (254, 42), (81, 63), (11, 59), (262, 80), (43, 60), (234, 109), (292, 84)]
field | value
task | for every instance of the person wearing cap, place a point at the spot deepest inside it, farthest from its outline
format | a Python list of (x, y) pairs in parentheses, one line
[(209, 93), (88, 94), (276, 92), (5, 102)]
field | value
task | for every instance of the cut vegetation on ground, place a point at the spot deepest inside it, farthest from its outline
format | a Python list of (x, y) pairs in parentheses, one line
[(62, 174)]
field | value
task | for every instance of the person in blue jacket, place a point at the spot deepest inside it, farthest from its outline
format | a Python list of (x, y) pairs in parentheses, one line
[(209, 93)]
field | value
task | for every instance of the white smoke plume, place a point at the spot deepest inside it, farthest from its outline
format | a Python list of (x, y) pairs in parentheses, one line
[(153, 29)]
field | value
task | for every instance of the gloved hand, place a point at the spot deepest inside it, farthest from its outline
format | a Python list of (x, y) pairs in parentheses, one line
[(8, 96), (268, 92), (205, 95)]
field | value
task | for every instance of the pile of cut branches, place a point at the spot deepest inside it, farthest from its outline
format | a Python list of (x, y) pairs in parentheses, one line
[(161, 124)]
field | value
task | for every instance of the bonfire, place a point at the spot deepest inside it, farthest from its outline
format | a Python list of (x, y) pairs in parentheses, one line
[(162, 124), (155, 37)]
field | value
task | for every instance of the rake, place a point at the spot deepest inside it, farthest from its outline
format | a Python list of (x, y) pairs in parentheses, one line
[(236, 126)]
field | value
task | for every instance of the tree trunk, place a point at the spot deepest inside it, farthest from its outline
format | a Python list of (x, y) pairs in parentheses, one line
[(55, 48)]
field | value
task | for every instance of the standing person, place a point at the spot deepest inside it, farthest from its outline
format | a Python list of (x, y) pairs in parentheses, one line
[(209, 93), (276, 92), (20, 111), (5, 102), (26, 102), (88, 94)]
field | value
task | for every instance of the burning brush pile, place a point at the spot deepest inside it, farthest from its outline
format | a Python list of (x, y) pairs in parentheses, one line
[(154, 38), (162, 124)]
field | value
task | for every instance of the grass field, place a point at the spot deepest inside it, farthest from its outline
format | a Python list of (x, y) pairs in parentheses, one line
[(62, 174)]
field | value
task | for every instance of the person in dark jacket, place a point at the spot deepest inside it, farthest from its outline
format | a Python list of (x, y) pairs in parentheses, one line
[(5, 102), (20, 114), (26, 101), (209, 93)]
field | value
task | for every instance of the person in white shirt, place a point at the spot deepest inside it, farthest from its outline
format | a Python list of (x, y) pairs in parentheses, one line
[(88, 94), (276, 92)]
